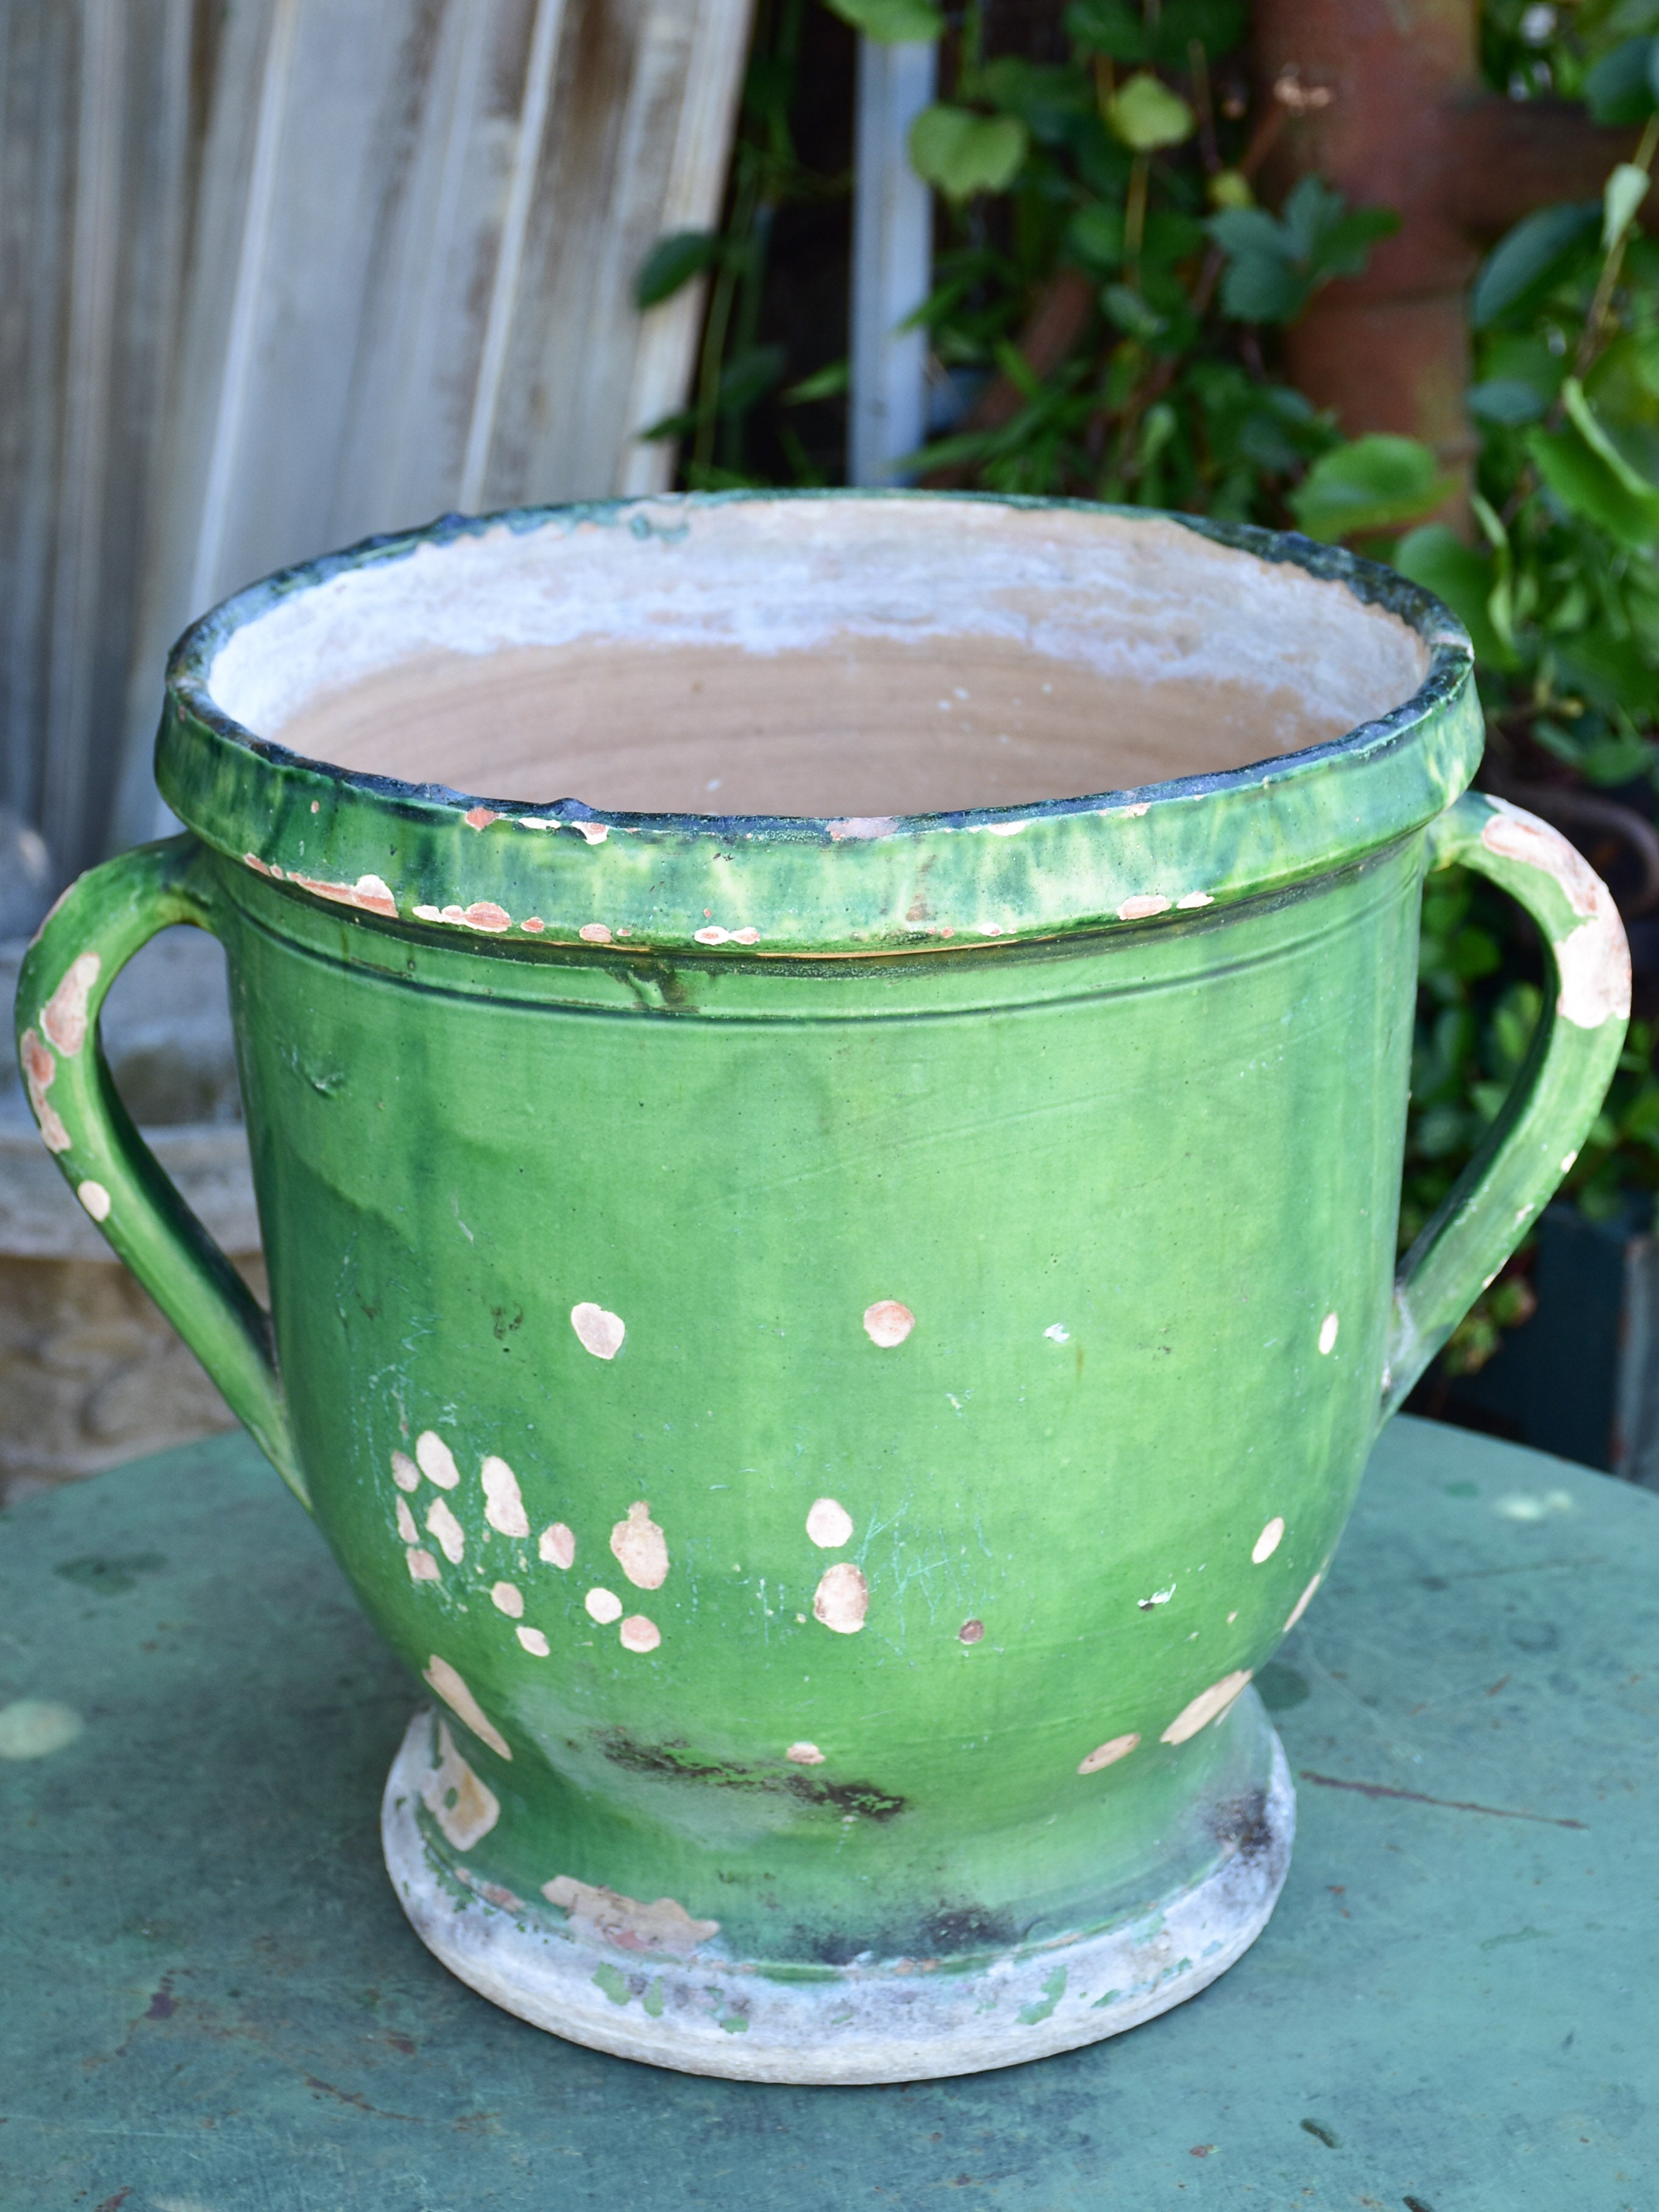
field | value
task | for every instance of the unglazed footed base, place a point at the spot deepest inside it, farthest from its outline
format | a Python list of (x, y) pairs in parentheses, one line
[(862, 2023)]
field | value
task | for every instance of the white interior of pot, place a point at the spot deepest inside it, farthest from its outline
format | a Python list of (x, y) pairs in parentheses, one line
[(843, 657)]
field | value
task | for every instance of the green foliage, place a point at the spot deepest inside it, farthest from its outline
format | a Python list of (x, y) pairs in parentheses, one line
[(1276, 263), (891, 22), (960, 153), (673, 261), (1371, 485)]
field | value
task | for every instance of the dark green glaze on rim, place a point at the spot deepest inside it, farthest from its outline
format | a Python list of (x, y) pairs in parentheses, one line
[(564, 877)]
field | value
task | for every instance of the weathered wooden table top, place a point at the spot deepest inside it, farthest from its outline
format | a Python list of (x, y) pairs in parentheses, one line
[(212, 2002)]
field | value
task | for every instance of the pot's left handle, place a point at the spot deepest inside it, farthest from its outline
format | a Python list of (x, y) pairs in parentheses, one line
[(92, 933)]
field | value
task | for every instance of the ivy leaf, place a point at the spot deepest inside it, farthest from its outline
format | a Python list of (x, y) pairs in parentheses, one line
[(1094, 236), (1506, 399), (1434, 557), (1531, 260), (1586, 486), (1048, 101), (1276, 262), (1621, 196), (1216, 25), (961, 153), (892, 23), (1128, 310), (674, 261), (1145, 114), (1369, 485), (1620, 86), (1109, 27)]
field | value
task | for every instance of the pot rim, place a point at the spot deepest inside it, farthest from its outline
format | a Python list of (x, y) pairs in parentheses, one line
[(767, 886)]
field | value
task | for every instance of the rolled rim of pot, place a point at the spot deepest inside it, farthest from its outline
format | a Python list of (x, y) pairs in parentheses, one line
[(387, 728)]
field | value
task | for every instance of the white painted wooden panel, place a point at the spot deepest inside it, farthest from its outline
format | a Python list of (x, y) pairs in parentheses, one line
[(276, 274)]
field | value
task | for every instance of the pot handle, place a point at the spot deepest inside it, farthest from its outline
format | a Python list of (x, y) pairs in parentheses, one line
[(1535, 1137), (82, 946)]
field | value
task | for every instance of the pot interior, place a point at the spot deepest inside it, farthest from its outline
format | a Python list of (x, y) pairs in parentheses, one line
[(815, 658)]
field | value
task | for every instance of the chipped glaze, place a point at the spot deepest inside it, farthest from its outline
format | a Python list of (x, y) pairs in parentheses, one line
[(916, 1570)]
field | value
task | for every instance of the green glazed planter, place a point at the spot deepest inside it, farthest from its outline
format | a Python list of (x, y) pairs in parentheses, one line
[(836, 1335)]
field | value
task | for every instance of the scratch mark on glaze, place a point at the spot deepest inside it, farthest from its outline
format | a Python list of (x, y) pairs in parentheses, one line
[(449, 1686), (1058, 1333), (556, 1545), (423, 1567), (507, 1598), (452, 1537), (641, 1549), (1158, 1597), (830, 1524), (1328, 1329), (805, 1754), (887, 1323), (94, 1198), (503, 1505), (465, 1809), (533, 1642), (597, 1331), (435, 1460), (405, 1472), (842, 1599), (1304, 1602), (1107, 1754), (1208, 1705), (603, 1605), (1569, 1162), (40, 1073), (406, 1528), (63, 1017), (639, 1634), (624, 1921), (1268, 1541)]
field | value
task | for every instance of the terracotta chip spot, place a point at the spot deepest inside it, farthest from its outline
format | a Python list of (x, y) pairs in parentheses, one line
[(830, 1524), (94, 1198), (405, 1472), (533, 1642), (1328, 1329), (804, 1754), (533, 925), (842, 1599), (1302, 1602), (594, 933), (1268, 1541), (713, 935), (465, 1809), (423, 1567), (63, 1017), (640, 1548), (452, 1537), (1107, 1754), (406, 1527), (888, 1323), (971, 1631), (624, 1921), (503, 1505), (478, 817), (1193, 900), (435, 1460), (461, 1702), (1208, 1705), (639, 1634), (594, 832), (597, 1331), (603, 1605), (556, 1545), (40, 1072), (1569, 1160), (507, 1598), (1143, 906), (858, 826)]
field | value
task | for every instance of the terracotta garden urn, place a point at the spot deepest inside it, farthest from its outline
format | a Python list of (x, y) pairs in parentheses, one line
[(826, 1078)]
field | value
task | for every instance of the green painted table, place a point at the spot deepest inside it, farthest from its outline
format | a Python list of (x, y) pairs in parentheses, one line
[(212, 2002)]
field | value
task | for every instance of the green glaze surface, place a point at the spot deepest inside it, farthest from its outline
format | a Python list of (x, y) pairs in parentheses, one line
[(838, 1433)]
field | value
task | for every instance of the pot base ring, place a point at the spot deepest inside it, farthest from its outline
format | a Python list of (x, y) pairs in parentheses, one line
[(867, 2024)]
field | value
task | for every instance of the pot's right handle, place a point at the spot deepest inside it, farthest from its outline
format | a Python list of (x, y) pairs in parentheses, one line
[(84, 943), (1557, 1095)]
